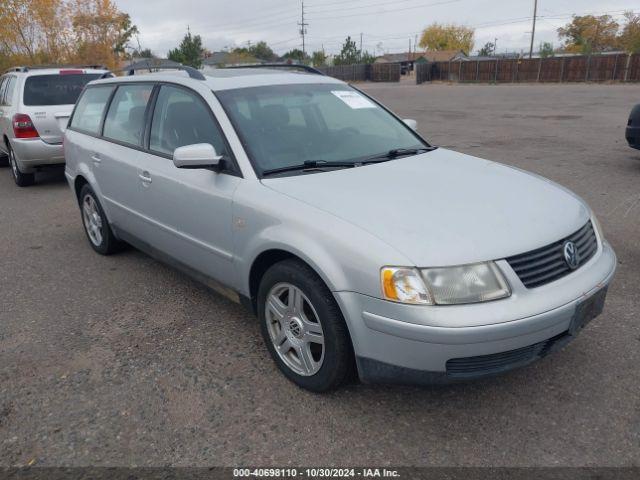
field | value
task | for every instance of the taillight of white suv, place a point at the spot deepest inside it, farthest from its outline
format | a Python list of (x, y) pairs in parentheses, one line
[(23, 126)]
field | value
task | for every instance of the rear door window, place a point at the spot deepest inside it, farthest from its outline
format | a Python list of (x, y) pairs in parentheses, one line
[(125, 119), (56, 89), (181, 118), (90, 108)]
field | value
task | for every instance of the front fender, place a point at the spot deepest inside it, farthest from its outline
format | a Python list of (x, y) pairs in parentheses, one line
[(300, 245), (345, 256)]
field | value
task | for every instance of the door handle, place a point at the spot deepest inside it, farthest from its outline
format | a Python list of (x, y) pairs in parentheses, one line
[(145, 177), (96, 158)]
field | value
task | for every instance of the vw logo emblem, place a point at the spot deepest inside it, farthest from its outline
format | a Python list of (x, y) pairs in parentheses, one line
[(295, 328), (571, 255)]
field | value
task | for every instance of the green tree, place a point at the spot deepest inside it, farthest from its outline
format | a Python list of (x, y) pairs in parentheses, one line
[(488, 50), (262, 51), (296, 55), (318, 58), (144, 53), (349, 55), (588, 33), (448, 37), (189, 52), (546, 50), (629, 38), (367, 58)]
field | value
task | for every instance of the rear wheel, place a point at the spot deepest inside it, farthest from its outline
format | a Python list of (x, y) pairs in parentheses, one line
[(21, 179), (303, 327), (96, 225)]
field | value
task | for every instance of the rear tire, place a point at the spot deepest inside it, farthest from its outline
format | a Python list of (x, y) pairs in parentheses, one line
[(303, 327), (96, 225), (21, 179)]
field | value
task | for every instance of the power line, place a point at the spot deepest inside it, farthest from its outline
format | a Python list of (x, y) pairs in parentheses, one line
[(356, 7), (277, 16), (283, 41), (377, 12)]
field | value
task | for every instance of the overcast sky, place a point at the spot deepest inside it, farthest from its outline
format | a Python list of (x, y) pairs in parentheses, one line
[(386, 25)]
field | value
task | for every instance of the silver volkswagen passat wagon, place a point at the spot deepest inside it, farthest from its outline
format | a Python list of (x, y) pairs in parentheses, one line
[(360, 247)]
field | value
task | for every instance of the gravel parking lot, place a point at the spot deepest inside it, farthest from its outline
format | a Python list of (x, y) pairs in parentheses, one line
[(124, 361)]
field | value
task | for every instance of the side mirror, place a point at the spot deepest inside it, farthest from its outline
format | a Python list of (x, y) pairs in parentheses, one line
[(412, 124), (200, 155)]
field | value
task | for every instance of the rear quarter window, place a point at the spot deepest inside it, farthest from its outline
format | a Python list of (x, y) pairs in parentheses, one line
[(44, 90), (6, 97), (90, 108)]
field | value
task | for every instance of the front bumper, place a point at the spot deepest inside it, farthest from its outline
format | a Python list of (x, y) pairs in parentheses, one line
[(632, 135), (397, 343), (34, 153)]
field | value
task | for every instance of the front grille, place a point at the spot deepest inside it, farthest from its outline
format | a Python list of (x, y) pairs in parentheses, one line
[(501, 362), (544, 265)]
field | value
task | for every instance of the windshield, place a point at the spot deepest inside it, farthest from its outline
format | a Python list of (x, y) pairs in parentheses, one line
[(287, 125), (43, 90)]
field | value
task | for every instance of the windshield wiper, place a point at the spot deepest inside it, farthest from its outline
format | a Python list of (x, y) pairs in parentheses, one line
[(320, 164), (397, 153), (307, 165)]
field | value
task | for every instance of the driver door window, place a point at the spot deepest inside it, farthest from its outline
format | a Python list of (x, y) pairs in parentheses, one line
[(181, 118)]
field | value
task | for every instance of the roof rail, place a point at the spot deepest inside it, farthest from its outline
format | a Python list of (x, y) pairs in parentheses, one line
[(26, 68), (193, 73), (306, 68)]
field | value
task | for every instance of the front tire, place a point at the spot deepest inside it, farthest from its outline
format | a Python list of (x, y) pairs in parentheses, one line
[(303, 327), (96, 225), (21, 179)]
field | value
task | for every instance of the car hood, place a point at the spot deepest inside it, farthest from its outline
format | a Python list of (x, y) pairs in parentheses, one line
[(443, 207)]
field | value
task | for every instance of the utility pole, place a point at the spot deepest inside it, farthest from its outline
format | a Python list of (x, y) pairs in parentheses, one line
[(533, 30), (360, 54), (495, 46), (303, 32)]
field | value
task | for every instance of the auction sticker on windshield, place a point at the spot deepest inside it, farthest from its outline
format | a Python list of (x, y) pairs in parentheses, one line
[(353, 99)]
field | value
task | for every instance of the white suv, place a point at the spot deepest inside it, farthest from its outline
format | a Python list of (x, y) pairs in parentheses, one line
[(35, 104)]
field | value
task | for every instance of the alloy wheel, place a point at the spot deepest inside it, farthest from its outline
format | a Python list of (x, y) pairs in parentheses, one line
[(294, 329), (92, 220)]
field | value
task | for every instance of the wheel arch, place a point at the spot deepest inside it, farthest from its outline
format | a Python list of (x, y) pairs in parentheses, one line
[(78, 183), (266, 260)]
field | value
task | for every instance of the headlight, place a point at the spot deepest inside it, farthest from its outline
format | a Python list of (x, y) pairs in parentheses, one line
[(404, 285), (478, 282)]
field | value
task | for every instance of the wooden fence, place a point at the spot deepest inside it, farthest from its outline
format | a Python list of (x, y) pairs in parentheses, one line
[(347, 73), (385, 72), (586, 68), (378, 72)]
